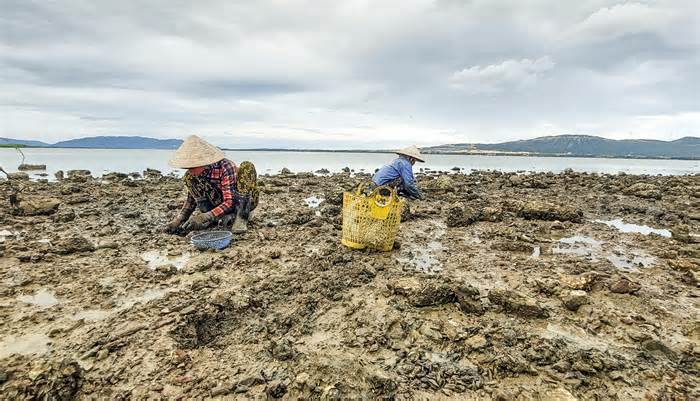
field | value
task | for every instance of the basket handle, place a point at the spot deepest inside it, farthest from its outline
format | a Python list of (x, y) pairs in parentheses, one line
[(361, 187), (393, 197)]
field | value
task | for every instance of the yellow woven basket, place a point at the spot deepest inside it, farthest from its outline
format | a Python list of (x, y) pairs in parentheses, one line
[(371, 221)]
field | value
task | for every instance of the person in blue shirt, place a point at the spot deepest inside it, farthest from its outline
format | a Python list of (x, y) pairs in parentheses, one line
[(399, 174)]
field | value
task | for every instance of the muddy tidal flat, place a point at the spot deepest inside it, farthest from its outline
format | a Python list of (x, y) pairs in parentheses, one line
[(501, 286)]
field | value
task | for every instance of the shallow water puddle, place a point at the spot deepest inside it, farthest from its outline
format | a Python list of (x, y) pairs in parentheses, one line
[(95, 315), (630, 261), (7, 233), (313, 201), (422, 258), (156, 259), (149, 295), (584, 246), (42, 298), (35, 343), (579, 245), (634, 228)]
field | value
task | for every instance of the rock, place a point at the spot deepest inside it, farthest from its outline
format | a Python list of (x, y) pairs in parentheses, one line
[(276, 389), (468, 299), (512, 246), (624, 286), (685, 264), (643, 190), (579, 282), (559, 394), (575, 299), (516, 303), (423, 293), (323, 171), (442, 183), (64, 216), (653, 345), (114, 176), (491, 214), (78, 198), (72, 174), (432, 294), (102, 354), (346, 169), (282, 350), (222, 390), (459, 216), (19, 176), (476, 342), (36, 206), (107, 244), (31, 167), (152, 173), (59, 175), (539, 210), (73, 244), (285, 171), (45, 380), (167, 269)]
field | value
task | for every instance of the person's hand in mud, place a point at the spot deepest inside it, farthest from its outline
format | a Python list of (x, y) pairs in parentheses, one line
[(199, 221), (173, 226)]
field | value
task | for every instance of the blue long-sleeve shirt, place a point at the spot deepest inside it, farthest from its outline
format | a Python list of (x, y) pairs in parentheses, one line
[(399, 168)]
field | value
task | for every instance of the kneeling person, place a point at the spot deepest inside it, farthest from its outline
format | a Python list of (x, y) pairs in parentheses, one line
[(399, 174), (221, 191)]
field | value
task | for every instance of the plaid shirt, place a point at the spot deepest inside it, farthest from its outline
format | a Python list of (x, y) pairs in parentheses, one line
[(223, 176)]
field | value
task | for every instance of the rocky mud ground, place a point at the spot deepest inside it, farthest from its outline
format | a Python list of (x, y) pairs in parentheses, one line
[(501, 286)]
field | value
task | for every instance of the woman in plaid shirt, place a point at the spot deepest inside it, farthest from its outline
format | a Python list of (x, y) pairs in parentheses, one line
[(216, 187)]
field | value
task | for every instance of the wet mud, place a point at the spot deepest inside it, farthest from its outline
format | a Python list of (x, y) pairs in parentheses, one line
[(501, 286)]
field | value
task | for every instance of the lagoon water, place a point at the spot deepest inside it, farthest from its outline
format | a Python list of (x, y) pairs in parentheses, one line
[(100, 161)]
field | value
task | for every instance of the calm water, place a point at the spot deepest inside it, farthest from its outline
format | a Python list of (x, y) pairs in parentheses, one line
[(101, 161)]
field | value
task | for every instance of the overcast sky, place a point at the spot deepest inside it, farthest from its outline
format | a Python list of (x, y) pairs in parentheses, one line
[(349, 73)]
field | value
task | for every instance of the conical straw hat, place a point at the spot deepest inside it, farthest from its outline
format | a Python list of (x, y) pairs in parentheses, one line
[(411, 151), (196, 152)]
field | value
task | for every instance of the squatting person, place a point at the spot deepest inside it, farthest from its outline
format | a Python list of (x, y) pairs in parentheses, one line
[(221, 191), (399, 173)]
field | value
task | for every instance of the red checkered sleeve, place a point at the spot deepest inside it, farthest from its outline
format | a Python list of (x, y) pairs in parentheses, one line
[(225, 174)]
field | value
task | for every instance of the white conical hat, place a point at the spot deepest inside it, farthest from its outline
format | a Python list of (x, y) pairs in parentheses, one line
[(196, 152), (411, 151)]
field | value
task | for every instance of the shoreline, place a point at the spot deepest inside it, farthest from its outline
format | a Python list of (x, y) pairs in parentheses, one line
[(361, 151)]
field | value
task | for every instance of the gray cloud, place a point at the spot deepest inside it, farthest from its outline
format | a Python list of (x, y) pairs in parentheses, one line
[(332, 74)]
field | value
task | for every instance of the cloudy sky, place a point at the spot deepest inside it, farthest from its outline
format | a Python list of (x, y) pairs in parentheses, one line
[(349, 73)]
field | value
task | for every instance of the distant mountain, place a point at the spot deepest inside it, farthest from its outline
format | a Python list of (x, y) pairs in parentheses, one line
[(103, 142), (11, 141), (584, 145), (119, 142)]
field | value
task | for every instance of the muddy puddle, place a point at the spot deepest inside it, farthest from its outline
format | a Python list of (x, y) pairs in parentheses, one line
[(123, 303), (621, 226), (313, 201), (43, 299), (595, 250), (34, 343), (5, 234), (424, 258), (156, 259)]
